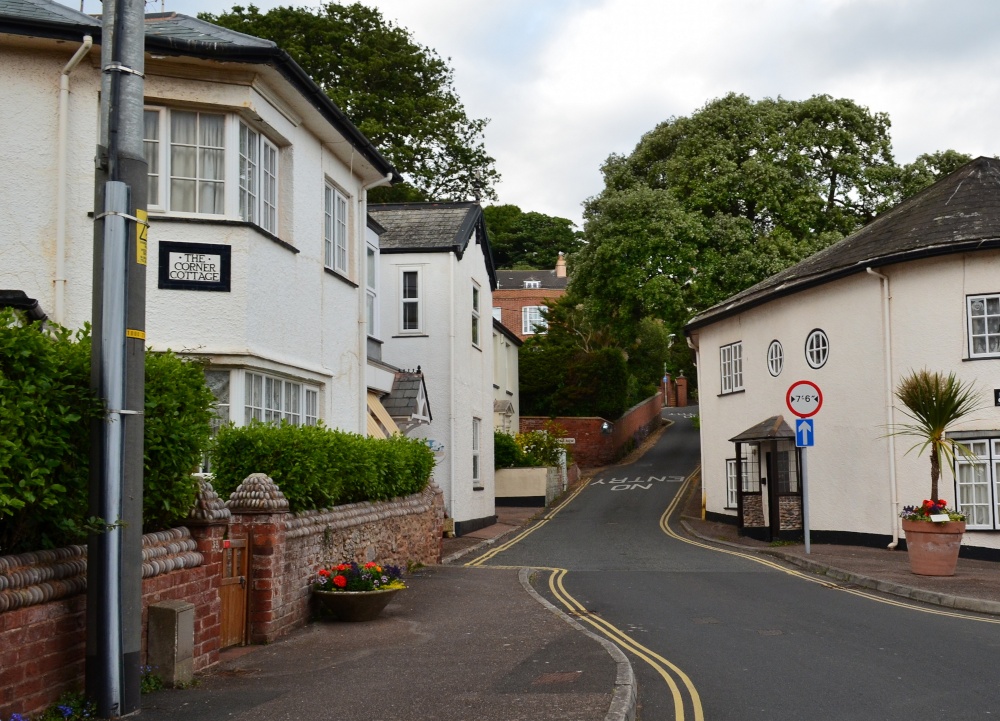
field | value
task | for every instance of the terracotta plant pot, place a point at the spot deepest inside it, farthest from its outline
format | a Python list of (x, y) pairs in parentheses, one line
[(933, 547), (355, 605)]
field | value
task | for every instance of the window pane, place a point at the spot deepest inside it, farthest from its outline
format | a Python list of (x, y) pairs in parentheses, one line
[(410, 320), (410, 284), (370, 269)]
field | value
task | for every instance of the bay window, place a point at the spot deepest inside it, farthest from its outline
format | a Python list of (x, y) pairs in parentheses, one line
[(193, 157)]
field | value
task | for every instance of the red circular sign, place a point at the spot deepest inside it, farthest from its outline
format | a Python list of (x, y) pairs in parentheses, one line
[(804, 399)]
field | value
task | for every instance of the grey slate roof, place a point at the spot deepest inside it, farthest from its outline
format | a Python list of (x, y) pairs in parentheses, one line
[(184, 27), (180, 35), (45, 12), (401, 402), (771, 429), (514, 279), (433, 228), (959, 213)]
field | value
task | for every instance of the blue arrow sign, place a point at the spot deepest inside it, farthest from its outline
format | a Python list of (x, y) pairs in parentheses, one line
[(804, 433)]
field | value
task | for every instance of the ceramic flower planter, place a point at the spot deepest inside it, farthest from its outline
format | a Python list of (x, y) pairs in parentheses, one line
[(933, 547), (355, 605)]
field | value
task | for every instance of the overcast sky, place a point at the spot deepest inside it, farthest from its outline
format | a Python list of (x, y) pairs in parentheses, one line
[(567, 82)]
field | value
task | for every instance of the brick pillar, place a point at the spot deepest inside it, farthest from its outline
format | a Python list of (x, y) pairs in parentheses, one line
[(670, 388), (208, 522), (682, 392), (259, 508)]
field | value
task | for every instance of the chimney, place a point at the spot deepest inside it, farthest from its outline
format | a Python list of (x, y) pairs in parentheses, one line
[(561, 266)]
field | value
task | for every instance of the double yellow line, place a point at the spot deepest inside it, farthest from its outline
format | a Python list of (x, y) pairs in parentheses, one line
[(662, 666), (805, 576)]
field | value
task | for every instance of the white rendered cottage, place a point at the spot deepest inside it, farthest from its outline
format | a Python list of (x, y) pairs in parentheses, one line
[(257, 206), (437, 278), (919, 287)]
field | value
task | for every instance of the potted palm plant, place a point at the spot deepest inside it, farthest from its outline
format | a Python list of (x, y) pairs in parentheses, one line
[(934, 402)]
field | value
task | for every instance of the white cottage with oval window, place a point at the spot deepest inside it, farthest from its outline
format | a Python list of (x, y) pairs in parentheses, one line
[(918, 287)]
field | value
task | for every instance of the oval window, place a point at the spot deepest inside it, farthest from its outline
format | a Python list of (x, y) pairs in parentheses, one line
[(775, 358), (817, 349)]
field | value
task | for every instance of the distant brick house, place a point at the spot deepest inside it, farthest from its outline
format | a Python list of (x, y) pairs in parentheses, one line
[(519, 299)]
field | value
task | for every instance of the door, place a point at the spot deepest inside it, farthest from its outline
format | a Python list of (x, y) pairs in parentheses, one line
[(233, 592)]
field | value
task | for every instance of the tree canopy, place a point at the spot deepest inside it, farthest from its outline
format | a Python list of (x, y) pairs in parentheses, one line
[(708, 205), (399, 93), (528, 240)]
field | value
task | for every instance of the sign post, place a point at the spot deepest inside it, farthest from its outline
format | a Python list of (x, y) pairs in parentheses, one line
[(804, 399)]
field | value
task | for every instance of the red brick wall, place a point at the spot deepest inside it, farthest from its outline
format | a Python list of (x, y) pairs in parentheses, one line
[(43, 643), (593, 448), (511, 301), (43, 625)]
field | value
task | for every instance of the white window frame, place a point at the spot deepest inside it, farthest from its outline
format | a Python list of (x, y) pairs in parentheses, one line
[(272, 399), (732, 491), (775, 358), (731, 367), (372, 280), (477, 330), (532, 284), (415, 300), (982, 471), (336, 248), (979, 322), (817, 348), (498, 313), (532, 320), (249, 157), (477, 432)]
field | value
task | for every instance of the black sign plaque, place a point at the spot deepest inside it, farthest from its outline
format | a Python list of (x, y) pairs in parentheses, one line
[(195, 266)]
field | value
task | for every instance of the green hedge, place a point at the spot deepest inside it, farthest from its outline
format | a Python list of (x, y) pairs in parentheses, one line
[(317, 467), (46, 406)]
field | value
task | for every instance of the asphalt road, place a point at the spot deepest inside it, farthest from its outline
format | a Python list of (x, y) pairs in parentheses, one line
[(715, 635)]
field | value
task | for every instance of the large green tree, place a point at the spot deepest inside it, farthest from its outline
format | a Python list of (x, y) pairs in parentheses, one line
[(708, 205), (528, 240), (399, 93)]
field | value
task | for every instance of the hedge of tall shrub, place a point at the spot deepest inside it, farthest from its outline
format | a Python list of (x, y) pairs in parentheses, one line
[(46, 406), (317, 467), (533, 449)]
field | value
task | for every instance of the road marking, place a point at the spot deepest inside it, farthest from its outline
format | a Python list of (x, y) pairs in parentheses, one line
[(615, 635), (804, 575)]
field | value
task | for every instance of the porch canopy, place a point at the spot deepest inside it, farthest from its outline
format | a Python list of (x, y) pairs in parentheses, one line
[(774, 428)]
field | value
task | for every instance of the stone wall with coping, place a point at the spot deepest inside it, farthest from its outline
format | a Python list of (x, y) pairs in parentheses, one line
[(43, 594)]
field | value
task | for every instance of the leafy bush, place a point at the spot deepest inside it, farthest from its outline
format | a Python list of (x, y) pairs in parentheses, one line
[(530, 450), (317, 467), (177, 432), (506, 452), (46, 409)]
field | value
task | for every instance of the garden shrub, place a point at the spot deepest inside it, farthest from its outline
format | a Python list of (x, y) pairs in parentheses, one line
[(533, 449), (317, 467), (46, 409)]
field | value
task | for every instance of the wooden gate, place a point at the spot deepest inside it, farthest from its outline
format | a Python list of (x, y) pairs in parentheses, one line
[(233, 592)]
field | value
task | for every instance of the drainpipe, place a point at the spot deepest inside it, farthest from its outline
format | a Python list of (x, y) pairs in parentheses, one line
[(889, 418), (697, 369), (61, 145), (452, 270), (363, 277)]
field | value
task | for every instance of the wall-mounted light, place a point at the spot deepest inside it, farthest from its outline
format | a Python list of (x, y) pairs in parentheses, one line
[(605, 428)]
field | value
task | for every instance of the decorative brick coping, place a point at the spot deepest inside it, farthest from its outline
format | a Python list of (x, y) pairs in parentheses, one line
[(29, 579), (355, 514)]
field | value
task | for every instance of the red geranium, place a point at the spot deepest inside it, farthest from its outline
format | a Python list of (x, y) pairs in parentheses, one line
[(323, 572), (339, 581)]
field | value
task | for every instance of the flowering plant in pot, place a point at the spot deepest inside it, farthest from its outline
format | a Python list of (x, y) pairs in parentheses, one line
[(357, 592), (934, 402)]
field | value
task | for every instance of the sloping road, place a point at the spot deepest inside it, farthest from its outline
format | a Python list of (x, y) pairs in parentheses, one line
[(717, 635)]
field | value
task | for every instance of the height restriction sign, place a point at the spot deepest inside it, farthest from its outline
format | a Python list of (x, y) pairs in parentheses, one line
[(804, 399)]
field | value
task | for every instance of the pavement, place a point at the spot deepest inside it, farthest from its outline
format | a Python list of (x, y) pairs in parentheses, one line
[(479, 643)]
